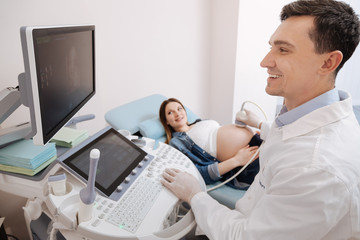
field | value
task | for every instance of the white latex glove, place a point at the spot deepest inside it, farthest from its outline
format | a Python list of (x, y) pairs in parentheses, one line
[(250, 119), (182, 184)]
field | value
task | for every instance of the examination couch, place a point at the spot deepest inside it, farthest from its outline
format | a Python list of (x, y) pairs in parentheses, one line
[(141, 117)]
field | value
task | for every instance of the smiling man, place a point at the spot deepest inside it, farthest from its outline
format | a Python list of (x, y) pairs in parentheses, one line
[(296, 71), (308, 186)]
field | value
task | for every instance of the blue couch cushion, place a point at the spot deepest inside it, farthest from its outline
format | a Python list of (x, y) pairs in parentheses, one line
[(129, 115), (152, 128)]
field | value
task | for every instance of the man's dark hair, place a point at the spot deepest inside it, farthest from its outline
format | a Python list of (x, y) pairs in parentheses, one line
[(337, 27)]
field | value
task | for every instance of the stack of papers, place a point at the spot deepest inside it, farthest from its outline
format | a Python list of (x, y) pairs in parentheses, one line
[(69, 137), (26, 158)]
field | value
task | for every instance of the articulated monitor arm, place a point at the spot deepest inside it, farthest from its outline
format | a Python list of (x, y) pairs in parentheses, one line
[(10, 100)]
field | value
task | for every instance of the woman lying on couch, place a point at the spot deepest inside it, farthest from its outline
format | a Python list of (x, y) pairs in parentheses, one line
[(217, 151)]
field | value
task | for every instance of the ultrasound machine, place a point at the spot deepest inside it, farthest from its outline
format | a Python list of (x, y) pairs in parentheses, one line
[(108, 186)]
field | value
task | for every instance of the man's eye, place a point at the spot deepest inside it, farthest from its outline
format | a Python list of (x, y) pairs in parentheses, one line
[(283, 50)]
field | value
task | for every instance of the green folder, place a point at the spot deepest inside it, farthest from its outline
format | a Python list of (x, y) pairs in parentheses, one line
[(69, 137)]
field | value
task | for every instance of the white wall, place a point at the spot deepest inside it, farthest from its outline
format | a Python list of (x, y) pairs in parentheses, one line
[(224, 24), (142, 47)]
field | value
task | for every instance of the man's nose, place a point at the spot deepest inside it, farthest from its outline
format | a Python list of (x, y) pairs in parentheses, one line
[(268, 61)]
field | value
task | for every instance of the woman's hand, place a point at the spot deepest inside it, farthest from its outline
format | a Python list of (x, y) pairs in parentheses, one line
[(239, 159), (244, 155)]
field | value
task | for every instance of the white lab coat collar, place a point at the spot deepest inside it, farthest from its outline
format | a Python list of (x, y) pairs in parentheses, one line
[(320, 117)]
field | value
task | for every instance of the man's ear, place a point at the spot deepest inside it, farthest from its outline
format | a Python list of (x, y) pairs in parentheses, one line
[(331, 62)]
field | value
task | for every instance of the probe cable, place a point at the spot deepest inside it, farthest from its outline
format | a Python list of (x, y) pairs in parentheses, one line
[(251, 159)]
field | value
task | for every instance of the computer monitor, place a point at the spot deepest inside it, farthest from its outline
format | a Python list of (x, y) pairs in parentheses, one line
[(59, 75)]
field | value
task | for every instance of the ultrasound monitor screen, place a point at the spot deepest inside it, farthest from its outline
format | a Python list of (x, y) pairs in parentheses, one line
[(118, 156), (65, 73)]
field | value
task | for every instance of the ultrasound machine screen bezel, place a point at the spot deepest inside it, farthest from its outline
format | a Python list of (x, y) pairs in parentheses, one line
[(96, 143)]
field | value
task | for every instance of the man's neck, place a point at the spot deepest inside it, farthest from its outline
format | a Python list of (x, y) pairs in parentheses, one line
[(293, 102)]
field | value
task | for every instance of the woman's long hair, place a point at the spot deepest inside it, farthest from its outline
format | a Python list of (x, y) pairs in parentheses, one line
[(168, 129)]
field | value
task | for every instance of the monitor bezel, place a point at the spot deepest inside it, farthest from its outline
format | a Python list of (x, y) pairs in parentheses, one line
[(28, 81)]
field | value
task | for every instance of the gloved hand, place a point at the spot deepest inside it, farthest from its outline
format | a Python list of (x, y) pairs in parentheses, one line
[(182, 184), (250, 119)]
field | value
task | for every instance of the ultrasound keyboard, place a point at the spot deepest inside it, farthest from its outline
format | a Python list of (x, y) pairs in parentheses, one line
[(132, 208), (135, 204)]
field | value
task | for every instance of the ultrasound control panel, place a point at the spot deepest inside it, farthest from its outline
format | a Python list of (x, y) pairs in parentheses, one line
[(131, 202)]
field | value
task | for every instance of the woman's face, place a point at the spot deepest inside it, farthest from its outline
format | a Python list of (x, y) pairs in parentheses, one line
[(175, 115)]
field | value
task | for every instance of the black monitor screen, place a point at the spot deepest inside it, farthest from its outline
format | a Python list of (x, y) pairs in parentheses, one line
[(118, 157), (65, 66)]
